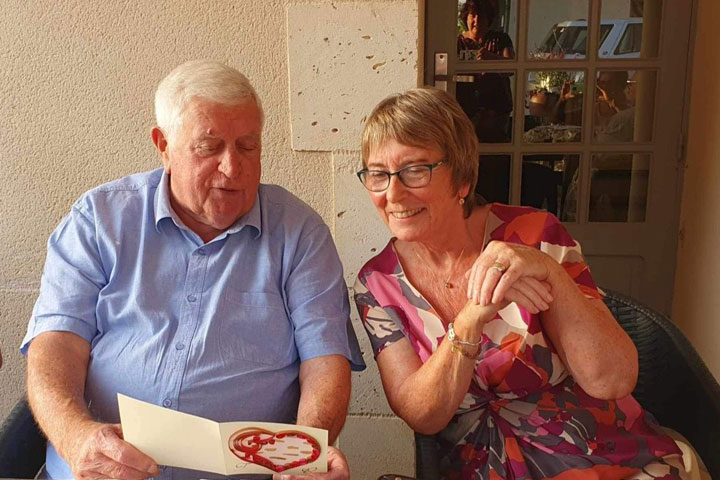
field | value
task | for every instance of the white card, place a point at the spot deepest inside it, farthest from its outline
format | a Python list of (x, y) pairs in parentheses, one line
[(178, 439)]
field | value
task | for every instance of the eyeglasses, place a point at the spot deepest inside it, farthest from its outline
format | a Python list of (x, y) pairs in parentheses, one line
[(412, 176)]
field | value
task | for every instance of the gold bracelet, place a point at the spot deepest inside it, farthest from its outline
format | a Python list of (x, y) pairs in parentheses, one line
[(454, 348)]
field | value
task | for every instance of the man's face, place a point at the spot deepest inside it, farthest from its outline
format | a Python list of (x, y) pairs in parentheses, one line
[(214, 164)]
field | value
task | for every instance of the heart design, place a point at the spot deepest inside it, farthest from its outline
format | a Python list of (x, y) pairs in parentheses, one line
[(278, 451)]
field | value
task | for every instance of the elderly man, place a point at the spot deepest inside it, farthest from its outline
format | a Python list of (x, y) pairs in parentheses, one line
[(193, 287)]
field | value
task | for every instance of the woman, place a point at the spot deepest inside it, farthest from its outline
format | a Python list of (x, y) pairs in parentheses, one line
[(478, 40), (487, 100), (486, 324)]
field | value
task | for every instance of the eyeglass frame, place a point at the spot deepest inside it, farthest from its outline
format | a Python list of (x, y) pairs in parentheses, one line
[(430, 166)]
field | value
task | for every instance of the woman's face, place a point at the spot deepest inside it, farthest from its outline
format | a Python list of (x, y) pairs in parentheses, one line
[(472, 22), (415, 214)]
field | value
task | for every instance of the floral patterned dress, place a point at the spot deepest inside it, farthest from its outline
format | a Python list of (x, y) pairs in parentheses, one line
[(524, 417)]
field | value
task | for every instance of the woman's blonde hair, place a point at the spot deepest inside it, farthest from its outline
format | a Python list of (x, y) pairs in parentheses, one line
[(428, 118)]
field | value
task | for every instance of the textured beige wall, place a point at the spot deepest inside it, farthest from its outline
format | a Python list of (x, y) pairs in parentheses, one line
[(76, 85), (697, 279)]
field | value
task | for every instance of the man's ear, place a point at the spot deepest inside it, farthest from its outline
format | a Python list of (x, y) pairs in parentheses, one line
[(161, 144)]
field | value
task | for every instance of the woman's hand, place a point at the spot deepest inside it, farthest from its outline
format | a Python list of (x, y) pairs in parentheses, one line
[(510, 272)]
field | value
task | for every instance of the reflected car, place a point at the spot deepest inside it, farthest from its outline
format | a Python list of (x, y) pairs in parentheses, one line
[(619, 38)]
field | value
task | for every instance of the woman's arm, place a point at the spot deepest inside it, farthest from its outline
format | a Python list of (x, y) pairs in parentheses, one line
[(596, 350), (427, 395)]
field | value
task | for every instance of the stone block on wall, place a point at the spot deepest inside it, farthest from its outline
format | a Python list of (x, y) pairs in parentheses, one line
[(359, 235), (375, 446), (343, 58)]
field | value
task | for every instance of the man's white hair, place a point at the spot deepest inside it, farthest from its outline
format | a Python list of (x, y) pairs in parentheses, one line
[(204, 79)]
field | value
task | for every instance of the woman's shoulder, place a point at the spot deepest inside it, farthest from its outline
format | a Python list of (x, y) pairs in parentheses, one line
[(525, 225), (385, 262)]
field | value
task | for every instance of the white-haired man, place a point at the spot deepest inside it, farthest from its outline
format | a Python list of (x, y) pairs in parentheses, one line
[(193, 287)]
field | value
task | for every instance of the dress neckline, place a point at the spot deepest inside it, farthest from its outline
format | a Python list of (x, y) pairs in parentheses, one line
[(401, 272)]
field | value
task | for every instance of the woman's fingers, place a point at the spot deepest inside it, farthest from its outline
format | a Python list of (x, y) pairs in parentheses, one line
[(521, 299), (496, 282), (542, 289)]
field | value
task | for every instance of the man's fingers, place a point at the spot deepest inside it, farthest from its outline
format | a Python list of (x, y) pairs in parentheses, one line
[(121, 452), (119, 471), (103, 467)]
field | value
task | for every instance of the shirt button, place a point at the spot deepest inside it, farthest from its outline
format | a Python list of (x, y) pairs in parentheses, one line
[(191, 298), (179, 346), (201, 251), (167, 402)]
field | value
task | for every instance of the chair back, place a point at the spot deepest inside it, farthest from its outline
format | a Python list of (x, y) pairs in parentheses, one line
[(673, 384), (22, 445)]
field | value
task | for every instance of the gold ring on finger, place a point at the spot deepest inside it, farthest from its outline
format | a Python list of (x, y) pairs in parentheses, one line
[(499, 267)]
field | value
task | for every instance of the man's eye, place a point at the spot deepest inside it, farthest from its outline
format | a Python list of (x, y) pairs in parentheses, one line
[(206, 147), (246, 147)]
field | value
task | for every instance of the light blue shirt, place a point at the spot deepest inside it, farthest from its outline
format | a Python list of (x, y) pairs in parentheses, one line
[(216, 329)]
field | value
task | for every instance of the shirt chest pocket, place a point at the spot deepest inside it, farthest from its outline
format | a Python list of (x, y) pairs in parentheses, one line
[(256, 328)]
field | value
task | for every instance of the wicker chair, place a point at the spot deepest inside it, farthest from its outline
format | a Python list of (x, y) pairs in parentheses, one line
[(22, 445), (674, 385)]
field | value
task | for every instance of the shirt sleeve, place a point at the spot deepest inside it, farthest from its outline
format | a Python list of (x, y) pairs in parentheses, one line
[(560, 245), (71, 281), (317, 298), (383, 326)]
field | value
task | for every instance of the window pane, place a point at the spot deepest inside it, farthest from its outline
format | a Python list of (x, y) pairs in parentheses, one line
[(557, 29), (549, 182), (618, 187), (494, 178), (486, 29), (554, 101), (487, 99), (624, 106), (633, 28)]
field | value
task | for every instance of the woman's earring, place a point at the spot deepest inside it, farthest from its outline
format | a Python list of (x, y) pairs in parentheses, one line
[(462, 201)]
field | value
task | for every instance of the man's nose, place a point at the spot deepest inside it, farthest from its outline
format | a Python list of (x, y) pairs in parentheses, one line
[(230, 163)]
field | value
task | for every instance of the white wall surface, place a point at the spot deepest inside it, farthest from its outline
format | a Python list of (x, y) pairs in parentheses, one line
[(77, 80)]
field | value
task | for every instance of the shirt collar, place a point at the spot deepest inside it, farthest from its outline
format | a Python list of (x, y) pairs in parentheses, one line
[(164, 210)]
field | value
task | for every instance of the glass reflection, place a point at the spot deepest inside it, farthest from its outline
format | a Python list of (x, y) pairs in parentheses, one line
[(483, 27), (487, 99), (549, 182), (494, 178), (624, 106), (554, 101), (618, 187), (633, 28), (554, 30)]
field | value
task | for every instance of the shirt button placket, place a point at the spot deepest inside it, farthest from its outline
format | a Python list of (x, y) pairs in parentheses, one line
[(190, 315)]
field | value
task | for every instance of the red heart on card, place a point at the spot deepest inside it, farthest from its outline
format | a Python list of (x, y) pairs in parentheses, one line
[(278, 451)]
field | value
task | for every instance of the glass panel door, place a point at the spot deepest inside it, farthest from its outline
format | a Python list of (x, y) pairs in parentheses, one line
[(579, 106)]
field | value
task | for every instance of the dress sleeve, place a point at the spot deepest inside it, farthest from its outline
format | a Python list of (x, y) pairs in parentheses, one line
[(383, 325), (560, 245), (71, 281)]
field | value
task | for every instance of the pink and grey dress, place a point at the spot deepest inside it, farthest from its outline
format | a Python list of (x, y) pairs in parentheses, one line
[(524, 417)]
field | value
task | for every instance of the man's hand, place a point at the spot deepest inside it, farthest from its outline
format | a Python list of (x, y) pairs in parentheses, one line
[(101, 452), (337, 469)]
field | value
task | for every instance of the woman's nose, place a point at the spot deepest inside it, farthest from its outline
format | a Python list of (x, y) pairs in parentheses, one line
[(395, 189)]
